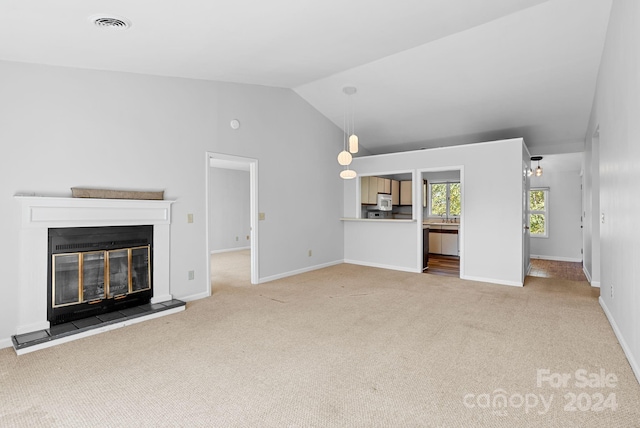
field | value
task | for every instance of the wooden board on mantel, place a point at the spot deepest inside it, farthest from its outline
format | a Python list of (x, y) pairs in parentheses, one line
[(78, 192)]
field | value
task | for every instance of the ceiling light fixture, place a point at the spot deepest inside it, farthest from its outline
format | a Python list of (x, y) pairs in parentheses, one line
[(538, 169), (345, 157)]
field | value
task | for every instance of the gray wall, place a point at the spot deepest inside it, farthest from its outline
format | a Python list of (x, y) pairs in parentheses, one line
[(229, 213), (64, 127), (616, 113), (491, 241), (565, 203)]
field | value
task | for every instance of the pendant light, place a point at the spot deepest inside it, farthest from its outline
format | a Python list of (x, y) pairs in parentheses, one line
[(538, 170), (345, 157), (349, 91)]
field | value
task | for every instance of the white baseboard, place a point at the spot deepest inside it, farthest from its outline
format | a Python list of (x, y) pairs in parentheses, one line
[(492, 281), (623, 343), (160, 299), (5, 343), (557, 259), (595, 284), (193, 297), (382, 266), (229, 250), (298, 271)]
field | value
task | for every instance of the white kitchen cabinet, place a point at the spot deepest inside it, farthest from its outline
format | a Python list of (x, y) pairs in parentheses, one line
[(442, 241), (435, 240), (449, 245)]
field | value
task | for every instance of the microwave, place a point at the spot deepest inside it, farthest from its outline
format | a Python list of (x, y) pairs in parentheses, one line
[(384, 202)]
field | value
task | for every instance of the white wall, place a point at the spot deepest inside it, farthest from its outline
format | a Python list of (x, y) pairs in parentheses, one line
[(616, 112), (229, 213), (565, 204), (64, 127), (491, 225), (591, 216)]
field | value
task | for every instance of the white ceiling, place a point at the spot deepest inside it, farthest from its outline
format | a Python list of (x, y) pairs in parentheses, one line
[(428, 72)]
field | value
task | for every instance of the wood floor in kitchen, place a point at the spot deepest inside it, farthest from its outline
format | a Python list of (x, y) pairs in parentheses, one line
[(444, 265), (450, 266)]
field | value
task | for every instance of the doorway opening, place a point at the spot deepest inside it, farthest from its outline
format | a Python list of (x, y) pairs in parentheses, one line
[(231, 207), (441, 214)]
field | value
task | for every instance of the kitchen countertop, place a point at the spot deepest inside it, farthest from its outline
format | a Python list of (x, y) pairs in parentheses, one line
[(380, 220)]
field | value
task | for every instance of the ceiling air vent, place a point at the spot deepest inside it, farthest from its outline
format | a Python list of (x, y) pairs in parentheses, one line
[(105, 21)]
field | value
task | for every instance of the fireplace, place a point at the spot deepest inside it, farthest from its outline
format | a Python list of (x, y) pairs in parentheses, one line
[(95, 270)]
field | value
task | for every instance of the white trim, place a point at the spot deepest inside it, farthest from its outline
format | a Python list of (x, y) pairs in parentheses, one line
[(299, 271), (556, 258), (230, 250), (160, 299), (595, 284), (197, 296), (237, 162), (461, 222), (99, 330), (492, 281), (5, 343), (382, 266), (623, 343), (39, 213)]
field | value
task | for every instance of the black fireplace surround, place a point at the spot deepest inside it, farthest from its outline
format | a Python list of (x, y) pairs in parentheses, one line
[(95, 270)]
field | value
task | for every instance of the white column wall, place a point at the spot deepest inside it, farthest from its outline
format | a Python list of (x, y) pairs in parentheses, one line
[(491, 229)]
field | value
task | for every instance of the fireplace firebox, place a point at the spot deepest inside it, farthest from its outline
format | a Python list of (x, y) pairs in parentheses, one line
[(95, 270)]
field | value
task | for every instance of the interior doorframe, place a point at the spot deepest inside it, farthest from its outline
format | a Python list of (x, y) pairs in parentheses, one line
[(418, 212), (221, 160)]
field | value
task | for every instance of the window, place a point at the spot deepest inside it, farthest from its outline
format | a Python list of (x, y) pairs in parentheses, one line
[(444, 199), (538, 212)]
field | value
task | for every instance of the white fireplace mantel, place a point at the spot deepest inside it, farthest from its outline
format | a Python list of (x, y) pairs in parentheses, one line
[(41, 213)]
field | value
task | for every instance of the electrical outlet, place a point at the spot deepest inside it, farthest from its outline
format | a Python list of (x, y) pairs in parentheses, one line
[(310, 253), (192, 275), (189, 218), (612, 291)]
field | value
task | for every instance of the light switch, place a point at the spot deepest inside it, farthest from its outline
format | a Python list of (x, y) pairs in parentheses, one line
[(260, 216), (189, 218)]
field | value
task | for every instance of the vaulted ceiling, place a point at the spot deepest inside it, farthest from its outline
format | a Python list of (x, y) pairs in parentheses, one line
[(428, 73)]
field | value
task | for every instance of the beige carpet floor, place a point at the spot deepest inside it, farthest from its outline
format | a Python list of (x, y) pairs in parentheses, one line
[(345, 346)]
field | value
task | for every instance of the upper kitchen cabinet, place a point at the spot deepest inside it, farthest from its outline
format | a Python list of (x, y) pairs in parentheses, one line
[(371, 186), (368, 190), (406, 194), (395, 192)]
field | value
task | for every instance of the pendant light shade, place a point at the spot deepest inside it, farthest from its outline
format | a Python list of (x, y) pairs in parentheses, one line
[(348, 174), (538, 170), (344, 158), (353, 143)]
